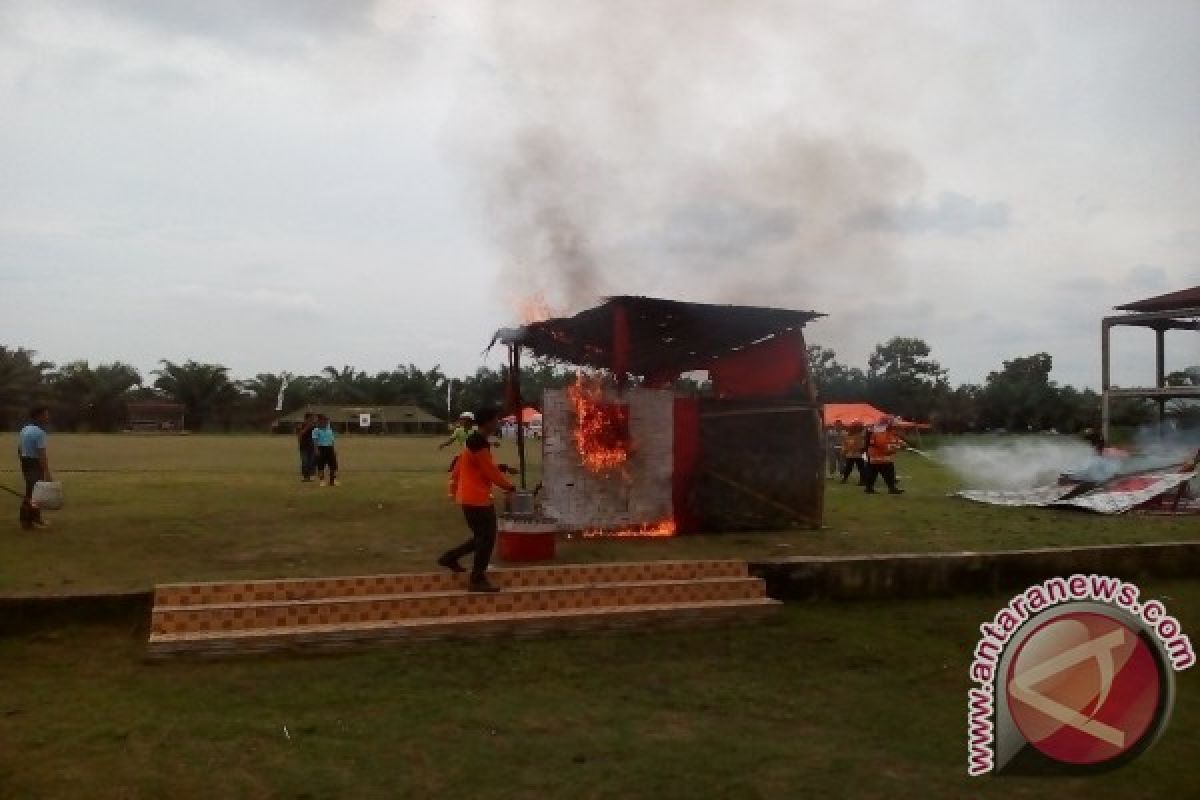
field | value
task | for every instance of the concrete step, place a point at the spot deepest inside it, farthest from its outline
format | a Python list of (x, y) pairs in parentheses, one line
[(350, 636), (320, 613), (454, 603), (224, 593)]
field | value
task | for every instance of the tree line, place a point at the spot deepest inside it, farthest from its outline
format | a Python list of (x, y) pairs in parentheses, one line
[(88, 397), (901, 376)]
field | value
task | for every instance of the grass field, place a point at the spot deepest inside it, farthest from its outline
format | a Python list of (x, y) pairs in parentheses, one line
[(829, 700), (861, 701), (144, 510)]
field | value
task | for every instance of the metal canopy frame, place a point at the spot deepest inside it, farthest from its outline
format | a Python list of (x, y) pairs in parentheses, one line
[(1182, 319)]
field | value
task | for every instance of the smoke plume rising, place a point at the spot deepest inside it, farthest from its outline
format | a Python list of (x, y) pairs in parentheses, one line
[(680, 149)]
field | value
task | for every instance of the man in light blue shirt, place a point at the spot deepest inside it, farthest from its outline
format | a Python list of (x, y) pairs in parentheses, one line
[(326, 455), (35, 464)]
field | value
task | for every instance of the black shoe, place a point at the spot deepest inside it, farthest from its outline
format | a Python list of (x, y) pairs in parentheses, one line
[(450, 564), (482, 585), (869, 491), (895, 491)]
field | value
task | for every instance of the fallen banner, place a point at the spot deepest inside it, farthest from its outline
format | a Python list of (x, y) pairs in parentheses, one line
[(1112, 497)]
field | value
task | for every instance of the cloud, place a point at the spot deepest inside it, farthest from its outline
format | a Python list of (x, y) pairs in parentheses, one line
[(278, 303), (251, 24), (1148, 278), (953, 215)]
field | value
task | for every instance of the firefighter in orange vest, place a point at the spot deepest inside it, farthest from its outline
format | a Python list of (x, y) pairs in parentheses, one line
[(882, 445), (852, 452)]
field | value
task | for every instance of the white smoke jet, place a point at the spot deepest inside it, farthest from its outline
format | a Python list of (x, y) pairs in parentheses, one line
[(1017, 463)]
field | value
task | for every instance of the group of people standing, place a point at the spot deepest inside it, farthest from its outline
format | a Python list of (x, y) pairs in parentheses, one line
[(315, 438), (869, 450), (473, 473)]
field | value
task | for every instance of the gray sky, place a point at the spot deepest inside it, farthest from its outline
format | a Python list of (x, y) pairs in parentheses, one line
[(285, 185)]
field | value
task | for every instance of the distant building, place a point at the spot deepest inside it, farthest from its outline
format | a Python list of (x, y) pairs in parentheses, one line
[(155, 416), (1176, 311), (407, 419)]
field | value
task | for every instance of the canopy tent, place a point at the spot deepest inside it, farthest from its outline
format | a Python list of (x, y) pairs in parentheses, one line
[(528, 414), (867, 414)]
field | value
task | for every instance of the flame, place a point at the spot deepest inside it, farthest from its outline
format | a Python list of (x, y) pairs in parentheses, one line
[(601, 428), (534, 308), (662, 528)]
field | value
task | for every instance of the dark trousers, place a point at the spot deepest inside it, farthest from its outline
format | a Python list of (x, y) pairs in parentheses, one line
[(851, 464), (327, 457), (31, 470), (887, 469), (482, 522), (308, 463)]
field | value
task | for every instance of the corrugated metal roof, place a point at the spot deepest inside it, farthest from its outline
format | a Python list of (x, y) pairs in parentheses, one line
[(1172, 301), (664, 335)]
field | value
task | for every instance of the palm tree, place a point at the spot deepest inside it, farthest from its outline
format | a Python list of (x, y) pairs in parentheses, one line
[(202, 389), (426, 388), (97, 396), (22, 383), (345, 385)]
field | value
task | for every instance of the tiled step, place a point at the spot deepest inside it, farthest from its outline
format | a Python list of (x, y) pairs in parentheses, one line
[(318, 638), (322, 613), (182, 594), (453, 603)]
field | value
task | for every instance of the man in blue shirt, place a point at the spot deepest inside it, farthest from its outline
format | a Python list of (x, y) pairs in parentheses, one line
[(326, 455), (35, 464)]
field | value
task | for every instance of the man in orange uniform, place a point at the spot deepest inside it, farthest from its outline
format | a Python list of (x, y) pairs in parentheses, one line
[(852, 452), (882, 445), (471, 481)]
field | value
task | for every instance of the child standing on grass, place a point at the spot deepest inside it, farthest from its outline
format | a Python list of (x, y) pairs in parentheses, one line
[(323, 437)]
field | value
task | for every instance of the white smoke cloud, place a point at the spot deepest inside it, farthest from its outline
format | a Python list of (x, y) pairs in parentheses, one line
[(1018, 463)]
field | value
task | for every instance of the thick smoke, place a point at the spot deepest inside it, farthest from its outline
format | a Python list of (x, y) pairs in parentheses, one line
[(679, 149), (1023, 462), (1018, 463)]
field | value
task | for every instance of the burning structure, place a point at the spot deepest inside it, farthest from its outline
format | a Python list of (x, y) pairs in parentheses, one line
[(624, 454)]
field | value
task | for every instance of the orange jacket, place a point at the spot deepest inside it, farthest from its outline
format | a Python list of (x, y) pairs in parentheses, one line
[(474, 474), (882, 446), (852, 445)]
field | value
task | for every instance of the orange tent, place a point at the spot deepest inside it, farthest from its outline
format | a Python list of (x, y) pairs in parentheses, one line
[(528, 415), (865, 413)]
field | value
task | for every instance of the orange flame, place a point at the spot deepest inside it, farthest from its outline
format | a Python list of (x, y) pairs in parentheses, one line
[(601, 428), (649, 530), (534, 308)]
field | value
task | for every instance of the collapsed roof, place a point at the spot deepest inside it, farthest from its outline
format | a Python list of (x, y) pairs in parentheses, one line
[(664, 336)]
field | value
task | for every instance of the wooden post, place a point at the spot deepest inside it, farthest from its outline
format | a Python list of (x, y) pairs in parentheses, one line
[(1160, 376), (514, 377), (1105, 374)]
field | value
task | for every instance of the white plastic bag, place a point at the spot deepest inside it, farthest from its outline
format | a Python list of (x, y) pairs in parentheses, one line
[(48, 495)]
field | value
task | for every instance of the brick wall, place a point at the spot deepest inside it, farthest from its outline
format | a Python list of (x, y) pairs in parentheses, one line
[(637, 493)]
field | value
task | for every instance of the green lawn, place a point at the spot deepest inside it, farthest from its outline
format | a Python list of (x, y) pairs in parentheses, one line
[(829, 700), (859, 700), (144, 510)]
